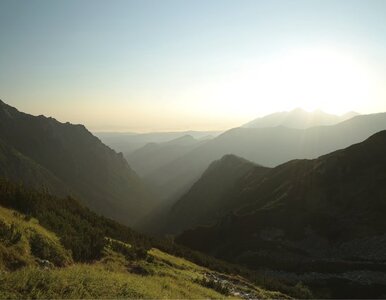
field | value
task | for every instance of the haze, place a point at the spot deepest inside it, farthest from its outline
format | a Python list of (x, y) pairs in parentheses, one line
[(178, 65)]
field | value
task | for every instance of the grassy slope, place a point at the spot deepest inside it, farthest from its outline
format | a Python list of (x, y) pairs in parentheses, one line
[(160, 275), (23, 240)]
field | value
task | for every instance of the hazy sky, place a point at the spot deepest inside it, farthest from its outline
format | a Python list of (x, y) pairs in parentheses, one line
[(175, 65)]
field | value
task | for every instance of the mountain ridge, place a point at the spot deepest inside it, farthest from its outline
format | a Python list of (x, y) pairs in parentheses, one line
[(101, 178), (265, 146), (309, 216), (298, 118), (192, 210)]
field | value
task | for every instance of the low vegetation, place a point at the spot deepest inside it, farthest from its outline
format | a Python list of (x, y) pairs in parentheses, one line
[(39, 258), (34, 264), (111, 277), (79, 229), (24, 242)]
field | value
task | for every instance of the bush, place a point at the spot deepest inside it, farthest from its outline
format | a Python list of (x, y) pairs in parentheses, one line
[(214, 285), (79, 229), (43, 248), (128, 251), (11, 260), (140, 270), (9, 235)]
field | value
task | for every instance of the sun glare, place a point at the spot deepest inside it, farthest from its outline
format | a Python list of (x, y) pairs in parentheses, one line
[(311, 78)]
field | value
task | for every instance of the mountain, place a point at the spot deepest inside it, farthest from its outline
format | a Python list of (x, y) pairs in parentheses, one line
[(155, 155), (204, 201), (299, 119), (266, 146), (128, 142), (321, 218), (19, 168), (68, 159)]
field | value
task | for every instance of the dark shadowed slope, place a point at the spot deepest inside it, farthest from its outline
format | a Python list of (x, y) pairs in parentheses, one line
[(209, 198), (299, 119), (101, 177), (266, 146), (321, 215), (19, 168)]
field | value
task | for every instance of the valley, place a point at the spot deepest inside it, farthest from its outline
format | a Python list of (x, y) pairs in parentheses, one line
[(228, 227), (192, 149)]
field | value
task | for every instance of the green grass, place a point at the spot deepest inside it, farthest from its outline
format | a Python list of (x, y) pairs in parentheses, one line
[(112, 277), (175, 266), (23, 241), (92, 281), (109, 278), (118, 274)]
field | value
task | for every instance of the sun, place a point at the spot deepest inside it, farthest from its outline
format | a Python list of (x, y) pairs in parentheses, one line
[(321, 78), (312, 78)]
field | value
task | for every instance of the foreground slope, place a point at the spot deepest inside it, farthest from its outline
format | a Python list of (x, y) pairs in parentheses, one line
[(324, 215), (24, 242), (67, 153), (55, 248), (34, 264)]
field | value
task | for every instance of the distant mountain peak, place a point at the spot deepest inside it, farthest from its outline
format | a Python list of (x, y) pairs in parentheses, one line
[(298, 110), (233, 158), (298, 118), (230, 157), (351, 114), (186, 139)]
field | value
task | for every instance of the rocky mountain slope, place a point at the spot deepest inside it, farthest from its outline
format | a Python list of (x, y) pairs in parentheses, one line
[(204, 202), (324, 215), (41, 151)]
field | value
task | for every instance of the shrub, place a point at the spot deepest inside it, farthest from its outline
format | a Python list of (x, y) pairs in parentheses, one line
[(214, 285), (44, 248), (9, 235), (11, 260), (128, 251), (79, 229)]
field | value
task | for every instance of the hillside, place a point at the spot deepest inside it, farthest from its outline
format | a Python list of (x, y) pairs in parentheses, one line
[(321, 218), (34, 264), (24, 242), (204, 202), (266, 146), (56, 248), (19, 168), (69, 154), (298, 119)]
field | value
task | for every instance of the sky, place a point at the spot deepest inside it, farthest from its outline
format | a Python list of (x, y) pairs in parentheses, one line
[(190, 64)]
